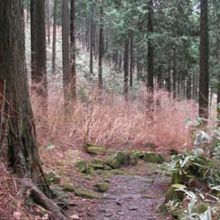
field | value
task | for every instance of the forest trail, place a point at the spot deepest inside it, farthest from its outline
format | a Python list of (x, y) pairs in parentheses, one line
[(135, 193), (133, 198)]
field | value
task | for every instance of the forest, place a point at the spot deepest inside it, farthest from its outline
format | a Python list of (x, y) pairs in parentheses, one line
[(109, 109)]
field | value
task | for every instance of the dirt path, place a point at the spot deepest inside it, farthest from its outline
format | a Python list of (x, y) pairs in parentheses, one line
[(133, 198), (134, 192)]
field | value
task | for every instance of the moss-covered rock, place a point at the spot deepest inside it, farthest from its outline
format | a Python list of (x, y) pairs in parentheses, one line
[(137, 154), (53, 178), (107, 167), (68, 187), (151, 157), (85, 193), (97, 164), (119, 159), (95, 149), (102, 187), (82, 166)]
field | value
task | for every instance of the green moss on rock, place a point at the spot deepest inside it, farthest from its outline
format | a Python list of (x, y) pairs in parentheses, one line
[(97, 164), (102, 187), (119, 159), (95, 149), (85, 193), (84, 167), (68, 188), (151, 157)]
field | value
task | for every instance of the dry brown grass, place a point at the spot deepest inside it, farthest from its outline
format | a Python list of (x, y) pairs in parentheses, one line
[(110, 120), (11, 202)]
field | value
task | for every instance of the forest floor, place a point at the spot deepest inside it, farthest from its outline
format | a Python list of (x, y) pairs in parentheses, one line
[(134, 192)]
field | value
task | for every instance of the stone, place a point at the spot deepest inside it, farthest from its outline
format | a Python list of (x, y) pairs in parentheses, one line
[(95, 149), (133, 208), (151, 157), (102, 187), (97, 164), (119, 159), (85, 193), (82, 166), (68, 188)]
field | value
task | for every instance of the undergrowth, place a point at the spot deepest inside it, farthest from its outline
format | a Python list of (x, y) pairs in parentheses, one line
[(112, 121)]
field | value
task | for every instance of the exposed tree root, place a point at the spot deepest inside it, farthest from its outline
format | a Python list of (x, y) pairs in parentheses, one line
[(41, 199)]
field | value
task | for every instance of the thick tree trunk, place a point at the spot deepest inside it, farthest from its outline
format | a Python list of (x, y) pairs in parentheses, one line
[(48, 20), (22, 150), (54, 37), (38, 46), (91, 48), (204, 65), (101, 47), (73, 49), (150, 79), (66, 54)]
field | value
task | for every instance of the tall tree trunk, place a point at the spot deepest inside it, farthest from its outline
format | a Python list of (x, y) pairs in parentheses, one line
[(91, 39), (188, 86), (73, 49), (48, 20), (174, 72), (131, 61), (54, 37), (66, 53), (126, 64), (21, 137), (101, 46), (38, 46), (150, 79), (204, 65)]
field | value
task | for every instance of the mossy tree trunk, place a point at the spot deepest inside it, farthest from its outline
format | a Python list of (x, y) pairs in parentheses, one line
[(23, 155)]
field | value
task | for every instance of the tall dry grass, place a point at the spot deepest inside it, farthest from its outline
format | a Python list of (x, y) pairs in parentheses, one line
[(110, 120)]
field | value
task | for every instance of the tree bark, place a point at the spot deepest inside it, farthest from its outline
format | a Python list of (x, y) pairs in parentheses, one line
[(21, 136), (73, 49), (91, 39), (101, 47), (131, 61), (54, 37), (66, 54), (126, 64), (38, 46), (150, 79), (204, 65), (48, 20)]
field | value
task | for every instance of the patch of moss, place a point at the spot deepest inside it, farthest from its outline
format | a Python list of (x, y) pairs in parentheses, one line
[(85, 193), (68, 188), (119, 159), (95, 149), (84, 167), (153, 158), (97, 164), (102, 187)]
